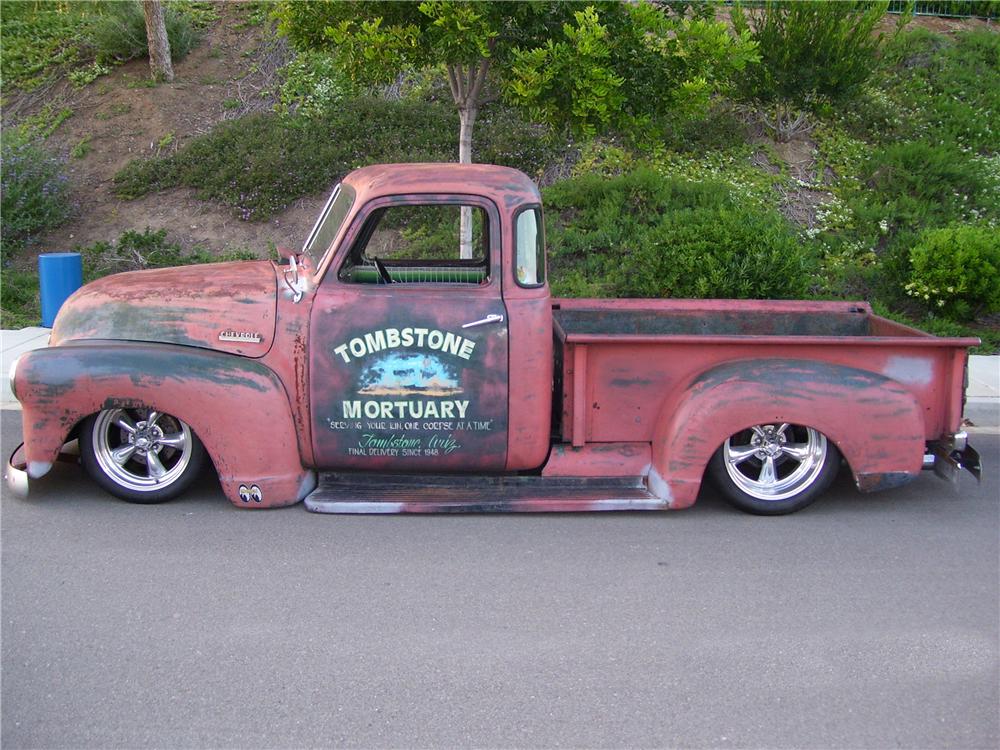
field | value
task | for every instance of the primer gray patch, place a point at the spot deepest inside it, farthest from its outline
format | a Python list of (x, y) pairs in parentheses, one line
[(910, 370)]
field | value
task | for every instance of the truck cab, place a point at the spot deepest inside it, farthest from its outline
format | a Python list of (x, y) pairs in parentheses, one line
[(412, 360)]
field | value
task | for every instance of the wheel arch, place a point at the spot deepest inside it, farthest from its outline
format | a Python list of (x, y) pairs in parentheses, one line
[(237, 407), (875, 422)]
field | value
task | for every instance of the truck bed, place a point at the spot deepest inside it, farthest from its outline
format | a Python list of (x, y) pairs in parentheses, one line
[(620, 362)]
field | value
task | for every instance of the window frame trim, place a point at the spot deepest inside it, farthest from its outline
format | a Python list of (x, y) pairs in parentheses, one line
[(354, 233)]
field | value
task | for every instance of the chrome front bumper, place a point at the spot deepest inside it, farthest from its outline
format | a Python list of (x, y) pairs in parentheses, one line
[(15, 475)]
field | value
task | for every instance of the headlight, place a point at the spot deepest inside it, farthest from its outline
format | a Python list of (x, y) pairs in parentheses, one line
[(13, 374)]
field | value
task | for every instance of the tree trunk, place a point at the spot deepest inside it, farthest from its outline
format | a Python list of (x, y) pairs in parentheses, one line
[(466, 82), (159, 45), (466, 118)]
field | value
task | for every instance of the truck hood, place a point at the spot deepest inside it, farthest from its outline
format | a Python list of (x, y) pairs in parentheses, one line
[(228, 307)]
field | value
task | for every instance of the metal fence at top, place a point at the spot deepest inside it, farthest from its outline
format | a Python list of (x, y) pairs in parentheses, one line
[(988, 9), (985, 9)]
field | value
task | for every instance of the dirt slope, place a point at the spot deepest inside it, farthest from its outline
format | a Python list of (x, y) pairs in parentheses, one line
[(121, 118)]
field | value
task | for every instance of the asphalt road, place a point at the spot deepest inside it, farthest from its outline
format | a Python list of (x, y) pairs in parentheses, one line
[(864, 621)]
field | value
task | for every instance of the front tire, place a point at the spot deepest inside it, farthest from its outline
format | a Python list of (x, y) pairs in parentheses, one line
[(140, 455), (772, 469)]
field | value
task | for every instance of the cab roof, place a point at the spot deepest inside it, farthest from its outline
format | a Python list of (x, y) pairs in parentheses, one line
[(507, 188)]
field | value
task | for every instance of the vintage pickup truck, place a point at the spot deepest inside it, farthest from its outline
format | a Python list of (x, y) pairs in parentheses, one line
[(400, 363)]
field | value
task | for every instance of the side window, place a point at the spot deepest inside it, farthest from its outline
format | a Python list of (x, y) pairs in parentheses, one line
[(530, 248), (420, 244)]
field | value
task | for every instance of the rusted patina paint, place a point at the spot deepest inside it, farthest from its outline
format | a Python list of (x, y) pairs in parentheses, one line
[(228, 307), (630, 375), (530, 377), (598, 460), (505, 188), (237, 407), (884, 481), (876, 423)]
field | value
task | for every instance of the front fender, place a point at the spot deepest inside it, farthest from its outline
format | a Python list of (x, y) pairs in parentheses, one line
[(238, 408), (874, 421)]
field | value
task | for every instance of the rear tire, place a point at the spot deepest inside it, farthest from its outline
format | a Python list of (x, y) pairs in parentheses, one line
[(773, 469), (140, 455)]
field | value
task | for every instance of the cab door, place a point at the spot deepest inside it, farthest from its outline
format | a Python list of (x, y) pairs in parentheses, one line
[(409, 346)]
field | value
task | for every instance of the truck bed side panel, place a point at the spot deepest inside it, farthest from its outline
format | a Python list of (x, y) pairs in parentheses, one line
[(625, 385)]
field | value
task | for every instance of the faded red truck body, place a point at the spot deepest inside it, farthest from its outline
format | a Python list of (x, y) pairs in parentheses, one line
[(377, 371)]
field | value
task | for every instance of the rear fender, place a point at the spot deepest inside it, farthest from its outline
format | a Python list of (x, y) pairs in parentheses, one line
[(237, 407), (875, 422)]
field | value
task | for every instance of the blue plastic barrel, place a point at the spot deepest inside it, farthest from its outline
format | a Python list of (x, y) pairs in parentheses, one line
[(59, 275)]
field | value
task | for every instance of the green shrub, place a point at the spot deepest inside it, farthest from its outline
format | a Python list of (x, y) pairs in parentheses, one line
[(120, 33), (743, 253), (34, 195), (956, 271), (262, 163), (644, 235), (88, 74), (812, 49), (312, 84)]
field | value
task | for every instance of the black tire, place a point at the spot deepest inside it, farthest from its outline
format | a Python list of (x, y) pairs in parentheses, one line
[(140, 455), (774, 469)]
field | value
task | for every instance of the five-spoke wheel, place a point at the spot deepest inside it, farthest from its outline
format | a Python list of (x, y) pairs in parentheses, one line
[(140, 455), (774, 468)]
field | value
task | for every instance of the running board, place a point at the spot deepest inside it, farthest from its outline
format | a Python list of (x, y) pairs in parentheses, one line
[(380, 493)]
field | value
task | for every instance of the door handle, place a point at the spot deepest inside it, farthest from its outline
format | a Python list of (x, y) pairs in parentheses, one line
[(491, 318)]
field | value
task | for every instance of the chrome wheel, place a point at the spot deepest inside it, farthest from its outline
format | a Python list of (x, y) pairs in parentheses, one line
[(141, 450), (773, 462)]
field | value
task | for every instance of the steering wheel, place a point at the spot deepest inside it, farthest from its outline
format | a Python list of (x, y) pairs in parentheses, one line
[(383, 272)]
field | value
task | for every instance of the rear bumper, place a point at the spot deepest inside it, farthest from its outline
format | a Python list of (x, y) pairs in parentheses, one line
[(948, 456)]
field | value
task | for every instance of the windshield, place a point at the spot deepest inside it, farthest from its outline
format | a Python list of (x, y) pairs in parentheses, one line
[(329, 222)]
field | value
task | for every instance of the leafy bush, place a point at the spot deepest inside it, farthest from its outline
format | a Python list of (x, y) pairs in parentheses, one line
[(644, 235), (87, 74), (120, 33), (262, 163), (810, 49), (312, 83), (956, 271), (34, 195), (813, 52)]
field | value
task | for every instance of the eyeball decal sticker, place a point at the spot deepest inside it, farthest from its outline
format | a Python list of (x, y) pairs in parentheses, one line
[(251, 493)]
